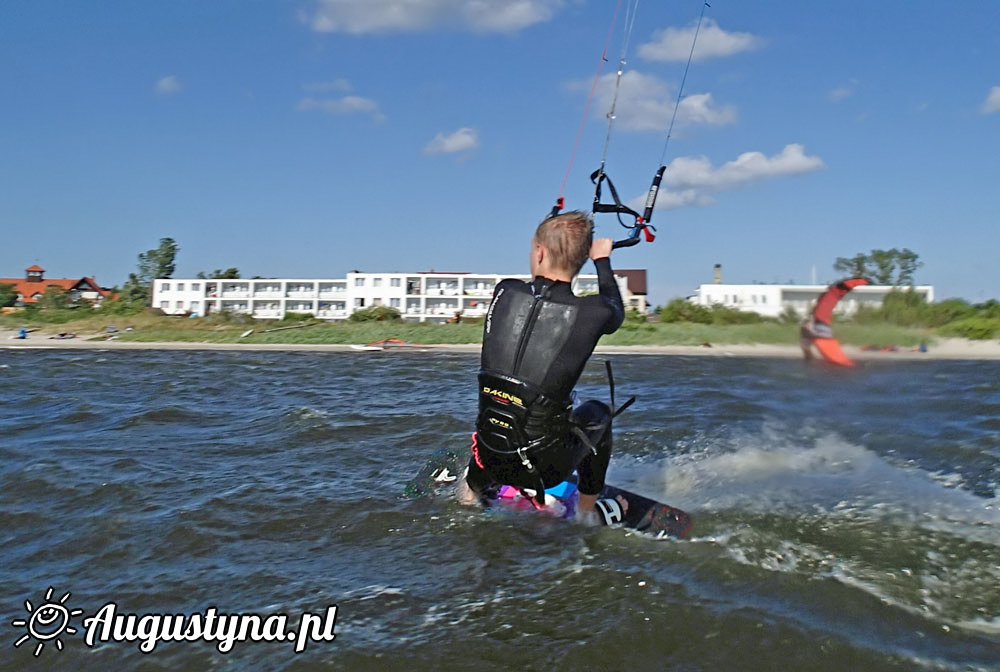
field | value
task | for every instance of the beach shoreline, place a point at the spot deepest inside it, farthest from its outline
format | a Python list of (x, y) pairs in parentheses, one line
[(949, 348)]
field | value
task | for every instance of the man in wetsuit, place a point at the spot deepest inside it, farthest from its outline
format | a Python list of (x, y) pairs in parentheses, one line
[(537, 338), (809, 330)]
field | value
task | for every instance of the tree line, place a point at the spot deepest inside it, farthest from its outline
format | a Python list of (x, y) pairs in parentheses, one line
[(883, 267)]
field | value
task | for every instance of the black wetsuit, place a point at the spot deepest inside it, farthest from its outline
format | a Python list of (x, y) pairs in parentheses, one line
[(537, 338)]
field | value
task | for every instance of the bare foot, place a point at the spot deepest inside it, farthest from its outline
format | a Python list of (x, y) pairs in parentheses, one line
[(586, 510)]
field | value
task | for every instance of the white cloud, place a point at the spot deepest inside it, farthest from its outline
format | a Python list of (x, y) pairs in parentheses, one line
[(698, 173), (335, 85), (384, 16), (840, 94), (674, 44), (344, 105), (992, 103), (462, 140), (693, 180), (646, 103), (168, 85)]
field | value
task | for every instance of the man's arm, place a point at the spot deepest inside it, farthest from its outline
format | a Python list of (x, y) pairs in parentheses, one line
[(600, 252)]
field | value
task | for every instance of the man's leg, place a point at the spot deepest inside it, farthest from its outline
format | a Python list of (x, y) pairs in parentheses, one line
[(593, 468), (477, 486)]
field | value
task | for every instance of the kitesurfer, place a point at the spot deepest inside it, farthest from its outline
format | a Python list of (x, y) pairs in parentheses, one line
[(809, 330), (537, 339)]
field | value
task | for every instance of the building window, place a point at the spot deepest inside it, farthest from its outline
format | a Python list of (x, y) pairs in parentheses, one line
[(180, 286), (164, 305), (394, 282), (165, 287), (394, 303), (359, 282), (179, 305), (359, 302), (195, 286), (195, 305), (376, 282), (763, 298)]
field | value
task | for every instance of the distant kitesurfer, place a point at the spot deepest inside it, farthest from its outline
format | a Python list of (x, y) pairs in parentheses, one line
[(809, 330), (537, 339)]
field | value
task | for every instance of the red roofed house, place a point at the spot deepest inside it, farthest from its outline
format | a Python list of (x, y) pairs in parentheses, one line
[(636, 279), (31, 287)]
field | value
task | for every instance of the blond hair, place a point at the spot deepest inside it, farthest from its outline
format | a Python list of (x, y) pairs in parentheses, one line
[(567, 238)]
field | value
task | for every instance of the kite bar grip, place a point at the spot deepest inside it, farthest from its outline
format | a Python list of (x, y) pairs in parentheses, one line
[(654, 188), (627, 242)]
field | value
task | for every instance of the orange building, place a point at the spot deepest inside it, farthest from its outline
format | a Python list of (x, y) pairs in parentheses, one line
[(32, 286)]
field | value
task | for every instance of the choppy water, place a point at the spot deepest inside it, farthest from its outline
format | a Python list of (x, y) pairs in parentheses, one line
[(844, 520)]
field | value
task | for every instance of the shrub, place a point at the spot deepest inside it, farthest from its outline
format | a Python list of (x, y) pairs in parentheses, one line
[(789, 316), (950, 310), (724, 315), (681, 310), (375, 314), (904, 308), (990, 308), (298, 317), (121, 306), (973, 327)]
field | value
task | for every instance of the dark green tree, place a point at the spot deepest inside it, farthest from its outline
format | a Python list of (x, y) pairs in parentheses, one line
[(908, 263), (883, 267), (153, 264), (8, 295), (158, 263), (54, 298), (231, 273), (856, 266)]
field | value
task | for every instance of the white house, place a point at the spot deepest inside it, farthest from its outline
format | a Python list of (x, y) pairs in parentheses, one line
[(773, 300), (421, 296)]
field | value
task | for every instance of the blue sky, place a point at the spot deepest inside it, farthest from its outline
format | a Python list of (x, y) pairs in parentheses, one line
[(308, 138)]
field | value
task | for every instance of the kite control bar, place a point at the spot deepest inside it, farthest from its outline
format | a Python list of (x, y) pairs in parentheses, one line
[(640, 222)]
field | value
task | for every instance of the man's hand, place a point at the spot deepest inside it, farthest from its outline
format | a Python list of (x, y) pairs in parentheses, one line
[(601, 248)]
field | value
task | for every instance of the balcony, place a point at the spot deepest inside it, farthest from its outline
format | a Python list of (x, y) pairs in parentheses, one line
[(267, 313)]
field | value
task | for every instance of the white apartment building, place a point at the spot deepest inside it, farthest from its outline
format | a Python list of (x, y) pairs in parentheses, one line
[(772, 300), (423, 297)]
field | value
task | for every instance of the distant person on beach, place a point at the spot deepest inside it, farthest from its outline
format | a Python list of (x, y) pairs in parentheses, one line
[(809, 330), (537, 339)]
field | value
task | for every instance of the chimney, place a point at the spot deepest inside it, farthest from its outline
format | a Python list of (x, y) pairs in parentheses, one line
[(718, 274)]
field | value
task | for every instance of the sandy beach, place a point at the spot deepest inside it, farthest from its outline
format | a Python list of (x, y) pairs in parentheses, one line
[(948, 348)]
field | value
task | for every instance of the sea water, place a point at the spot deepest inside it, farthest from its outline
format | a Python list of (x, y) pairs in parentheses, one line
[(843, 519)]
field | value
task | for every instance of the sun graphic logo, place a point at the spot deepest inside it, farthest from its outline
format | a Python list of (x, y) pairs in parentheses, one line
[(47, 622)]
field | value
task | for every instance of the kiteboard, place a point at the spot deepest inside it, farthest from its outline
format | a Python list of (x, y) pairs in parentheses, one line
[(645, 515), (387, 343)]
